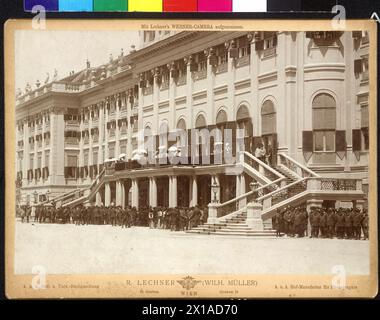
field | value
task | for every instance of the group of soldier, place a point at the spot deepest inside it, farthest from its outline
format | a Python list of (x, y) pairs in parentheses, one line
[(174, 219), (324, 223)]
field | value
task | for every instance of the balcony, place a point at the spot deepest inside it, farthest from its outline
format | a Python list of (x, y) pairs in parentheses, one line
[(164, 86), (365, 77), (71, 125), (112, 115), (243, 61), (182, 80), (123, 113), (221, 68), (71, 142), (200, 75), (148, 91), (269, 52)]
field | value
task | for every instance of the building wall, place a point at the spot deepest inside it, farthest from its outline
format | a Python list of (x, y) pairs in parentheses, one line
[(289, 74)]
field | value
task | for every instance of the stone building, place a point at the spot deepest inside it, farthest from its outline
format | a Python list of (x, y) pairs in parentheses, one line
[(303, 95)]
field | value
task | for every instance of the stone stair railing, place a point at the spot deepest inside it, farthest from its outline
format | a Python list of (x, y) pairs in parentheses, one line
[(311, 187), (87, 193), (294, 166), (259, 170), (218, 211)]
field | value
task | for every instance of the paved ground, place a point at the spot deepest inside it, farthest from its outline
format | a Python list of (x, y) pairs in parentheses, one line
[(68, 249)]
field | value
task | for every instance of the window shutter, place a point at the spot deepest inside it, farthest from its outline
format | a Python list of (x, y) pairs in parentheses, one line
[(356, 34), (310, 35), (193, 67), (142, 84), (307, 141), (234, 53), (259, 45), (364, 117), (175, 73), (356, 140), (358, 66), (213, 60), (340, 141)]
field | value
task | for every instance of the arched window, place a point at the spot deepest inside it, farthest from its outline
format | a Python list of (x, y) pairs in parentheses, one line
[(200, 122), (221, 117), (244, 120), (268, 118), (181, 124), (324, 123), (243, 113)]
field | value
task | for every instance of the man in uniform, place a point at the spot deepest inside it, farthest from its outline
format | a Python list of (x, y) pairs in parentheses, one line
[(330, 223), (314, 222), (348, 223), (340, 224), (323, 222), (298, 223), (287, 220), (357, 224), (364, 224)]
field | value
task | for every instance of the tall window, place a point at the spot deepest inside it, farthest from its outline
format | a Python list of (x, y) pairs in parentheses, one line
[(364, 127), (244, 120), (324, 123), (200, 122), (268, 118)]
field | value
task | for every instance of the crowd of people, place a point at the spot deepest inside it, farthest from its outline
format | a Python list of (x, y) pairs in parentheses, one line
[(291, 221), (175, 219), (324, 223)]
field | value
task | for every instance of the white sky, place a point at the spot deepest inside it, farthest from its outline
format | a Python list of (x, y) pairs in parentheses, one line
[(39, 52)]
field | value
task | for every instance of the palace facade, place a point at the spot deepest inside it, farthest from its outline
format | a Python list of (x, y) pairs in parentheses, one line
[(304, 95)]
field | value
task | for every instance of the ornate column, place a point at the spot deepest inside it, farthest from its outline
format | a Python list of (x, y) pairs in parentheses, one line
[(153, 192), (118, 200), (107, 194), (90, 150), (210, 85), (135, 193), (57, 151), (117, 130), (101, 133), (129, 102), (122, 191), (172, 94), (173, 191), (26, 156), (106, 133), (194, 191)]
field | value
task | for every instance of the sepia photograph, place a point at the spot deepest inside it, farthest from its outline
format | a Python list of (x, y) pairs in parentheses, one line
[(169, 159)]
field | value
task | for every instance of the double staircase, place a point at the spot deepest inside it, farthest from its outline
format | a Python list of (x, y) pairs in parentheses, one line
[(79, 196), (289, 184)]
